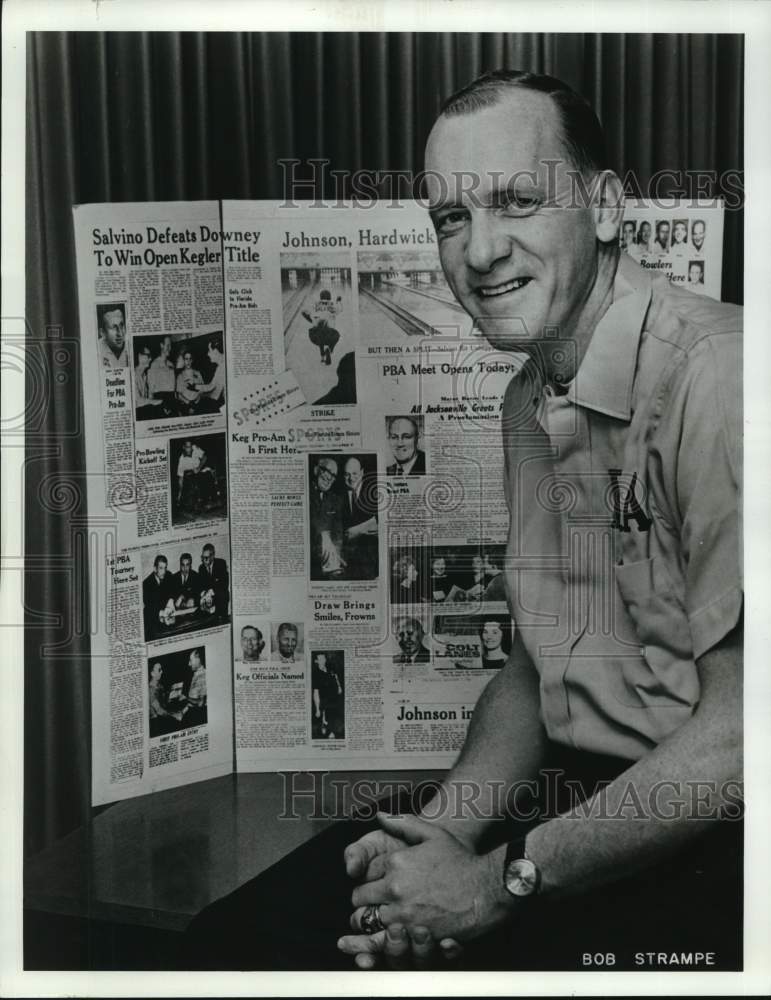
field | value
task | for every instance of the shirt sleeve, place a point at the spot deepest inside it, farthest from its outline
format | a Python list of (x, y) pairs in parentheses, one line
[(708, 483)]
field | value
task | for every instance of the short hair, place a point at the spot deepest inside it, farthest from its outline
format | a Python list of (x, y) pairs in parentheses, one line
[(253, 628), (215, 343), (390, 421), (208, 548), (325, 295), (159, 559), (581, 131), (287, 627), (413, 621), (185, 555), (401, 564), (698, 222)]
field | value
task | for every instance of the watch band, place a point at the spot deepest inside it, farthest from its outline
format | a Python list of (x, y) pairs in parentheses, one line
[(515, 850)]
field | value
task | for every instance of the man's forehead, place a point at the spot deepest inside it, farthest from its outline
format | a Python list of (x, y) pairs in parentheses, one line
[(515, 135)]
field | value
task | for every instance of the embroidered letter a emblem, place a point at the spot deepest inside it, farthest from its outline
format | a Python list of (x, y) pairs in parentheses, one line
[(626, 507)]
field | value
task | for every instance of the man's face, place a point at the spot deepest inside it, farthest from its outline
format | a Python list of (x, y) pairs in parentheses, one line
[(697, 234), (440, 567), (325, 475), (160, 569), (187, 447), (645, 232), (207, 558), (679, 232), (156, 672), (695, 272), (143, 360), (251, 644), (194, 661), (410, 636), (166, 347), (287, 642), (492, 636), (477, 564), (185, 565), (352, 473), (188, 359), (510, 259), (114, 328), (628, 233), (321, 661), (662, 232), (403, 440)]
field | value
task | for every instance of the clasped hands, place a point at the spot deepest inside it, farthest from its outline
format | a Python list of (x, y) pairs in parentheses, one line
[(433, 891)]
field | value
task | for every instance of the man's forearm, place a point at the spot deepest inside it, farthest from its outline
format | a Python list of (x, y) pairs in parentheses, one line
[(668, 797), (505, 744)]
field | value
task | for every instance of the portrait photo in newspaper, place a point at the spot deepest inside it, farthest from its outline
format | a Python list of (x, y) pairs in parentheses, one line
[(111, 336)]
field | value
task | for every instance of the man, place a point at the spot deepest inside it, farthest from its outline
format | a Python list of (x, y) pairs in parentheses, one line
[(696, 276), (661, 243), (653, 403), (640, 709), (327, 702), (157, 595), (252, 644), (214, 581), (212, 393), (161, 375), (112, 337), (188, 384), (627, 239), (403, 433), (409, 633), (187, 587), (360, 541), (698, 228), (196, 693), (192, 465), (680, 236), (287, 637), (326, 522)]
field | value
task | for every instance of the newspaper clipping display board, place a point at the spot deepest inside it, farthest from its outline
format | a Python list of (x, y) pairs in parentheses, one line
[(296, 484)]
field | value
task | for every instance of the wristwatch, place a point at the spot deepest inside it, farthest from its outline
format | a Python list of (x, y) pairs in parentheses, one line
[(521, 877)]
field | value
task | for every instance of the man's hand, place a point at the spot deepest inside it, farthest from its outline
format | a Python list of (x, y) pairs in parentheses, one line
[(437, 883)]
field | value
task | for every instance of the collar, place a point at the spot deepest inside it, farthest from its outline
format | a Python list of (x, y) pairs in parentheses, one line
[(605, 377)]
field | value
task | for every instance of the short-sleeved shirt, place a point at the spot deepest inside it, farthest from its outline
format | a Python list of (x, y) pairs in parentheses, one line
[(624, 550), (161, 375)]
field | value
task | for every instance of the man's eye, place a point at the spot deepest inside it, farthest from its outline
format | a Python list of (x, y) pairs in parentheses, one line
[(451, 222), (521, 204)]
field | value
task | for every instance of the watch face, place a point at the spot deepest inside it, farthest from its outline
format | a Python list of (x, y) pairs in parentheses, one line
[(521, 877)]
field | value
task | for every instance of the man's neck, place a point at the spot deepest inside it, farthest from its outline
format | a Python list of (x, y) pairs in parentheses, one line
[(594, 307)]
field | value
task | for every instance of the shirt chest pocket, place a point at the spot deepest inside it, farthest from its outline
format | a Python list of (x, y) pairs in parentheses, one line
[(660, 619)]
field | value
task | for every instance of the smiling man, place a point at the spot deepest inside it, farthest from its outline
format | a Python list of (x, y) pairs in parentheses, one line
[(626, 668), (587, 814)]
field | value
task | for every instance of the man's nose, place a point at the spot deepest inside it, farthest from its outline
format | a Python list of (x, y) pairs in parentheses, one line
[(487, 242)]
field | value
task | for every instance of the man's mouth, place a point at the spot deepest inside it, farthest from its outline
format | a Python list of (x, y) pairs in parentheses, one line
[(492, 291)]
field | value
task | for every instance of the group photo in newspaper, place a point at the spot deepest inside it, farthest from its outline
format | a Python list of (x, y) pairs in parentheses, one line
[(443, 483)]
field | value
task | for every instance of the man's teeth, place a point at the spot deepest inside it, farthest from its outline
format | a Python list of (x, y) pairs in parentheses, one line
[(509, 286)]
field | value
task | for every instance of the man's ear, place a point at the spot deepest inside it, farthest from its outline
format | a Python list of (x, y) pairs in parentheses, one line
[(609, 210)]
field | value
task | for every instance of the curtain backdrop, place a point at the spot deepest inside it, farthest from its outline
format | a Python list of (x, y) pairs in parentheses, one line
[(147, 116)]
